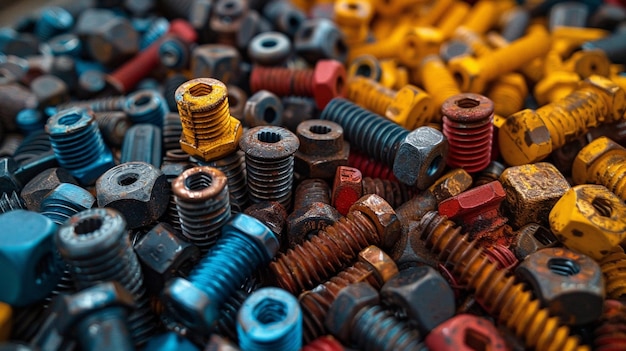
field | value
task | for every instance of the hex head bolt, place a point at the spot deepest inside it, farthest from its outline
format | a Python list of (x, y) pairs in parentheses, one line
[(356, 318), (374, 267), (270, 318), (269, 163), (201, 196), (324, 83), (509, 302), (529, 136), (245, 244), (95, 245), (602, 161), (467, 123), (371, 221), (78, 145)]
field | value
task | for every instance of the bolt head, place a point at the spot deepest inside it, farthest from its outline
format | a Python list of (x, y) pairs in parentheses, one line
[(255, 230), (382, 215), (382, 263), (411, 108), (420, 159), (348, 303), (613, 95), (329, 81), (524, 138), (585, 160), (479, 199), (467, 72), (190, 305)]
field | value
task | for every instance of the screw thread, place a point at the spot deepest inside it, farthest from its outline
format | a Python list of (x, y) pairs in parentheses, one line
[(489, 174), (234, 167), (502, 256), (438, 82), (330, 250), (395, 193), (33, 145), (270, 179), (204, 123), (10, 144), (611, 172), (226, 325), (324, 343), (315, 303), (282, 81), (113, 103), (59, 211), (172, 129), (375, 328), (376, 136), (157, 29), (369, 167), (610, 335), (11, 202), (146, 106), (506, 99), (113, 126), (369, 94), (311, 191), (27, 321), (510, 302), (614, 269), (53, 20)]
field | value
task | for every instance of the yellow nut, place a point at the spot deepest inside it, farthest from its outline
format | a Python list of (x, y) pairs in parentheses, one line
[(555, 86), (209, 131), (382, 263), (602, 161), (468, 73), (589, 219)]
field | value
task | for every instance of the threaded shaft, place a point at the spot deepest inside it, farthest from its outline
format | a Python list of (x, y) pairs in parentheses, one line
[(53, 20), (282, 81), (113, 126), (611, 172), (311, 191), (27, 321), (506, 98), (10, 203), (324, 343), (369, 94), (10, 144), (146, 106), (95, 246), (614, 269), (234, 167), (369, 167), (226, 325), (375, 328), (329, 251), (499, 294), (610, 335), (395, 193), (157, 29), (202, 201), (66, 201), (33, 145), (376, 136), (315, 303), (113, 103), (438, 81), (502, 256)]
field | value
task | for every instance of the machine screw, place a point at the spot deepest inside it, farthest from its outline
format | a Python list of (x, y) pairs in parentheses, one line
[(602, 162)]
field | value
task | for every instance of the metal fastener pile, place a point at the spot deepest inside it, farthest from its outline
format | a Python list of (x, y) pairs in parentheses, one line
[(314, 175)]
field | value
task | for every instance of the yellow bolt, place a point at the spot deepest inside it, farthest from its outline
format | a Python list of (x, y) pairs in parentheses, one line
[(557, 82), (453, 18), (473, 74), (386, 47), (473, 40), (393, 76), (529, 136), (508, 93), (484, 15), (409, 107), (565, 40), (209, 131), (353, 18), (613, 267), (589, 62), (438, 10), (437, 81), (602, 161)]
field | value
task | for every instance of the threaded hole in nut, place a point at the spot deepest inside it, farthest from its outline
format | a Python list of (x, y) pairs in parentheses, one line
[(603, 206), (467, 103), (88, 225), (69, 119), (270, 311), (269, 115), (198, 181), (364, 70), (293, 22), (269, 43), (340, 48), (433, 167), (318, 129), (269, 137), (563, 266), (200, 89), (127, 179), (476, 340), (353, 6), (544, 236), (143, 100)]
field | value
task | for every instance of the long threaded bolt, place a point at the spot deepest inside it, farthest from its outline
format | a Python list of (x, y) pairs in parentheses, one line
[(269, 163), (438, 81), (96, 247), (613, 267), (336, 246), (105, 104), (201, 196), (373, 267), (510, 302), (245, 244)]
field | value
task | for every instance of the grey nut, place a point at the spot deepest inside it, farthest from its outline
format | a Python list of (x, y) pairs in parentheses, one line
[(420, 159)]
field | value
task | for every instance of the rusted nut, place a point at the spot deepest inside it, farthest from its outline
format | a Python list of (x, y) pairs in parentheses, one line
[(422, 295), (347, 188), (346, 306), (216, 61), (382, 215), (113, 41), (227, 19), (163, 255), (269, 48), (297, 109), (319, 39), (37, 188), (589, 219), (329, 78), (285, 16), (531, 191), (50, 90), (420, 158), (137, 189), (532, 238), (263, 109), (466, 332), (569, 284), (306, 221), (322, 149), (273, 215)]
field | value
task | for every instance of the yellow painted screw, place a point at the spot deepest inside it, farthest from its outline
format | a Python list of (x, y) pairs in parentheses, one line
[(438, 81), (453, 18), (602, 161), (353, 18)]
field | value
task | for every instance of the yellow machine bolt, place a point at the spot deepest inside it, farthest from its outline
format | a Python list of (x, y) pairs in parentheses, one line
[(602, 161), (530, 135), (455, 15), (353, 18), (508, 93), (437, 81)]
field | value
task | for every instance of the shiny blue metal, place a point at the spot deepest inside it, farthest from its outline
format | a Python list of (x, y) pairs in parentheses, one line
[(146, 106)]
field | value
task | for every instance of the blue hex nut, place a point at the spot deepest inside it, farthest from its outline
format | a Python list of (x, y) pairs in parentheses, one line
[(246, 243), (78, 145), (30, 269), (270, 319)]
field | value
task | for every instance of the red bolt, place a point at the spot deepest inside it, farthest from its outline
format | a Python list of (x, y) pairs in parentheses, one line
[(463, 332), (129, 74), (347, 188), (370, 167)]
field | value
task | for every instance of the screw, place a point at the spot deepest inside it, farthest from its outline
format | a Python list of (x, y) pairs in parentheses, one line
[(142, 143), (602, 162), (395, 193), (353, 19), (105, 104), (11, 202), (609, 333), (146, 106), (369, 167), (64, 201), (113, 125)]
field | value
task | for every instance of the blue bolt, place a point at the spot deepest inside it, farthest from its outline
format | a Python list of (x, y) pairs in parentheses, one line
[(146, 106), (53, 20)]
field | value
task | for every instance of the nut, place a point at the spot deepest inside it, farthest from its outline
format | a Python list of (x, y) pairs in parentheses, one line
[(322, 149), (420, 158), (382, 215), (569, 284), (347, 188), (269, 48), (318, 39), (383, 265), (532, 238), (531, 191), (37, 188), (348, 303), (524, 138), (263, 109), (216, 61), (589, 219), (64, 201), (467, 70), (585, 168), (138, 190), (273, 215), (422, 294), (329, 81), (114, 41)]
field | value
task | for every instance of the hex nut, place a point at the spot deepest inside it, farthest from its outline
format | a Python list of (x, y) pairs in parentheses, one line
[(114, 41), (612, 94), (37, 188), (319, 39), (585, 161), (263, 108), (422, 294), (138, 190), (329, 81), (322, 149), (383, 265), (217, 61), (420, 158), (67, 199), (348, 303), (569, 284), (531, 191), (189, 304), (269, 48), (256, 230), (411, 107), (382, 215)]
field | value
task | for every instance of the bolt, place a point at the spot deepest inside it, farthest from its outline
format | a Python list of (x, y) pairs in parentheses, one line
[(323, 343), (142, 143), (602, 162), (508, 301), (454, 17), (64, 201), (11, 202), (508, 94), (395, 193), (146, 106), (369, 167), (105, 104), (113, 126), (322, 149), (466, 332), (609, 333), (371, 221), (353, 19)]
